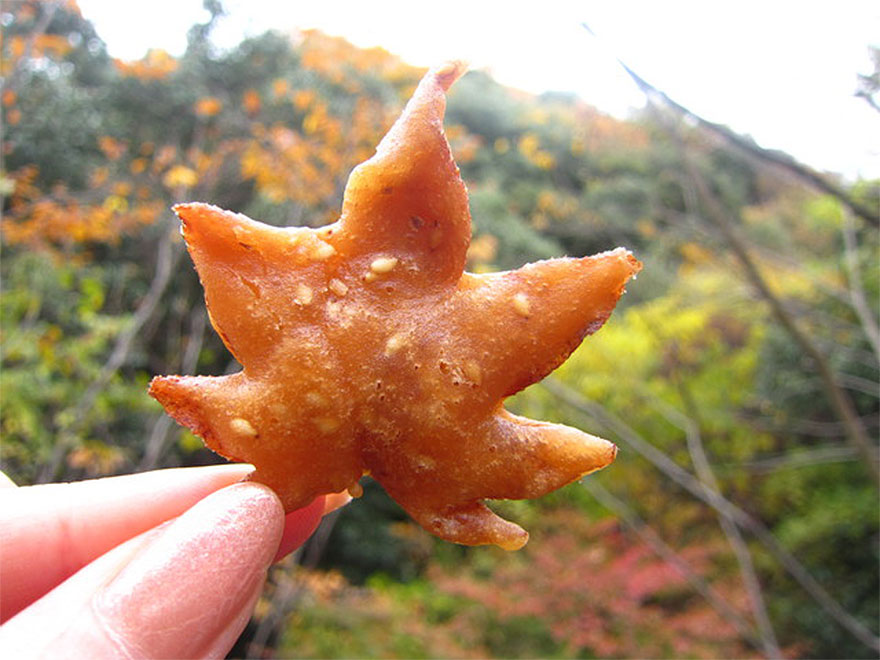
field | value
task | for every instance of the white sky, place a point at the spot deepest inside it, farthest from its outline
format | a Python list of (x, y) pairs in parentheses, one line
[(782, 71)]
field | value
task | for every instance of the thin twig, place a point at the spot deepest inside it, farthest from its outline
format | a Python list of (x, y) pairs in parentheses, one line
[(682, 225), (285, 596), (807, 427), (317, 544), (670, 556), (791, 460), (158, 438), (169, 254), (839, 399), (156, 442), (697, 193), (691, 429), (856, 290), (776, 158), (686, 480), (859, 384)]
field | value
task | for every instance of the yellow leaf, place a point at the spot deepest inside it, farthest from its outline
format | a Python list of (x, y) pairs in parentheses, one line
[(155, 65), (116, 204), (180, 175), (482, 249)]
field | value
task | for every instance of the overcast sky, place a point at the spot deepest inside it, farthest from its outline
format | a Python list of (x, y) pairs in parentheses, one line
[(781, 71)]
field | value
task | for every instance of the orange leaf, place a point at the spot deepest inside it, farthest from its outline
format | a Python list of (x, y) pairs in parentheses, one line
[(251, 102), (208, 106)]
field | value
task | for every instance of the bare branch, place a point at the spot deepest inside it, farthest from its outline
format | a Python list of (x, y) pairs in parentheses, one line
[(696, 192), (747, 146), (856, 291), (869, 100), (169, 255), (806, 427), (859, 384), (791, 460), (682, 225), (156, 441), (869, 83), (286, 594), (613, 424), (836, 395), (313, 550), (670, 556), (691, 429), (158, 438)]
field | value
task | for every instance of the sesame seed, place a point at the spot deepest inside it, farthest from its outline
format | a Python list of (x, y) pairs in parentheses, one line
[(303, 294), (472, 372), (338, 287), (521, 305), (326, 424), (323, 251), (241, 426), (394, 344), (383, 265), (424, 462), (315, 398)]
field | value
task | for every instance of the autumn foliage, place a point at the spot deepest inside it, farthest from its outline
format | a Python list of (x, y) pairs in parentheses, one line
[(722, 418), (293, 143), (601, 591)]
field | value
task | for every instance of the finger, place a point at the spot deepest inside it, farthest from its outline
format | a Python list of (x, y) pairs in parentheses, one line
[(185, 589), (300, 525), (49, 532)]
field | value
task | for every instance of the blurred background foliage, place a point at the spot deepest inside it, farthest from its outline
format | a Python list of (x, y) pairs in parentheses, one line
[(739, 375)]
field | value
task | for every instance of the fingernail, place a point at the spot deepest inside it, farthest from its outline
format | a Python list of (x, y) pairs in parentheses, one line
[(198, 579)]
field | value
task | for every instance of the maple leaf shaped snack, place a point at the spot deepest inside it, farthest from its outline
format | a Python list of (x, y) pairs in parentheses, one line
[(366, 348)]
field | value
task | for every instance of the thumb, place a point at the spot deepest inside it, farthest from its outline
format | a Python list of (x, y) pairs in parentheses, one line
[(185, 589)]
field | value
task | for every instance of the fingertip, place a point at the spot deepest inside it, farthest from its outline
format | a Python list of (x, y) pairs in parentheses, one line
[(208, 565), (299, 525)]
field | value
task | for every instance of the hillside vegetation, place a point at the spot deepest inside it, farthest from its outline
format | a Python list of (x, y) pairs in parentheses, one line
[(739, 376)]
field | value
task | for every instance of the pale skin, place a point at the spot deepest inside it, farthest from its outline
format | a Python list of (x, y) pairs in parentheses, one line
[(168, 563)]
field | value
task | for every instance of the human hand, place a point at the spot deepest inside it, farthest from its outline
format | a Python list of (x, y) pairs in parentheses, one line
[(162, 564)]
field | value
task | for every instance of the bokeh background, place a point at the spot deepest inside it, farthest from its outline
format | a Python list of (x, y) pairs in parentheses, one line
[(739, 375)]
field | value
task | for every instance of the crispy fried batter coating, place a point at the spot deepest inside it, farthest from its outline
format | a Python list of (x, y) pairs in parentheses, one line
[(366, 348)]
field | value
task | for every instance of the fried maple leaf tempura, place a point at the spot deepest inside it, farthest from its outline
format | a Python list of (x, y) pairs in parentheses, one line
[(366, 348)]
